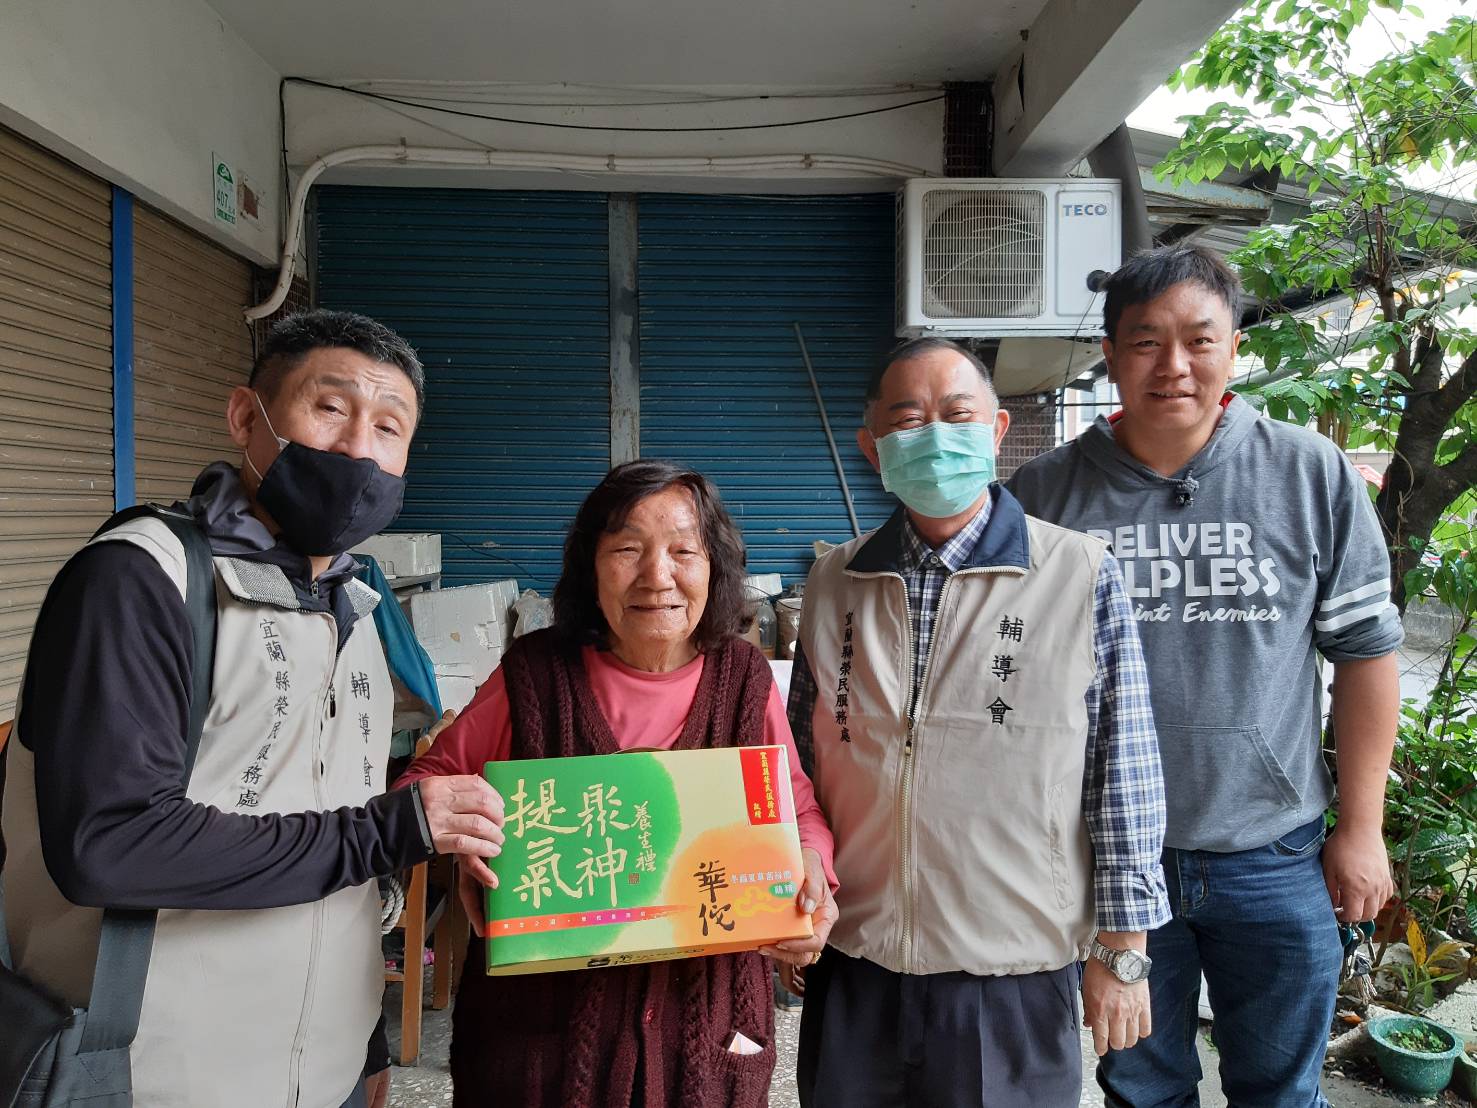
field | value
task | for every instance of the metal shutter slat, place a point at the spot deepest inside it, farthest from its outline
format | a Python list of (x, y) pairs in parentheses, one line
[(723, 386), (504, 295), (56, 434), (191, 348)]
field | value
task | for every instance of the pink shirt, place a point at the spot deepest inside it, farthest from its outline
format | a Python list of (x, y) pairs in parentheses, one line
[(644, 710)]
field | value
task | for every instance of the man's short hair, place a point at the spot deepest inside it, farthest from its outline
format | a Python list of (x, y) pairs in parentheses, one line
[(1149, 275), (914, 348), (294, 337)]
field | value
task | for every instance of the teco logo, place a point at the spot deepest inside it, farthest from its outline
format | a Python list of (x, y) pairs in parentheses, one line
[(1084, 209)]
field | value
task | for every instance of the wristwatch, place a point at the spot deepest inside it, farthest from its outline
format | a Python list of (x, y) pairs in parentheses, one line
[(1126, 965)]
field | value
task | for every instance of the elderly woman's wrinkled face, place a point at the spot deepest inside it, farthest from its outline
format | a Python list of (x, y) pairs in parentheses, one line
[(652, 574)]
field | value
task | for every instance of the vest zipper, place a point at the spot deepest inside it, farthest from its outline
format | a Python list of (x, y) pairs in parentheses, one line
[(905, 783), (905, 800), (328, 703), (905, 794)]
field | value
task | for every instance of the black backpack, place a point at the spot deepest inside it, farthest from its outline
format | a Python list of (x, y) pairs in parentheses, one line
[(56, 1056)]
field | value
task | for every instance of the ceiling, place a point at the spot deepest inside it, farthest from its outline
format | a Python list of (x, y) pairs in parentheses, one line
[(635, 42)]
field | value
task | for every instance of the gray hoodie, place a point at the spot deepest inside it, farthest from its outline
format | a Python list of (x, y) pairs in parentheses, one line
[(1262, 553)]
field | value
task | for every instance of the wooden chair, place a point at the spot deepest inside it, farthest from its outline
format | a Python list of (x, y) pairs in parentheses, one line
[(448, 927), (5, 733)]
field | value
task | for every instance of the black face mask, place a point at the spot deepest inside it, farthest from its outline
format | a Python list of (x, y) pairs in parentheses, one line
[(326, 503)]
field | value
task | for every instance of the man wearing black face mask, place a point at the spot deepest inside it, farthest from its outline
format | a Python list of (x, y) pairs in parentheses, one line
[(265, 978)]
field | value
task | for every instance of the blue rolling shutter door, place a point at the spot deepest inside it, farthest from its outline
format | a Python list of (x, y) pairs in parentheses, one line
[(504, 295), (723, 386)]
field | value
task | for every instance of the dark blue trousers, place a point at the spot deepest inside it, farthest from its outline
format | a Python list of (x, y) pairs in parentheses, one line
[(1259, 925), (871, 1037)]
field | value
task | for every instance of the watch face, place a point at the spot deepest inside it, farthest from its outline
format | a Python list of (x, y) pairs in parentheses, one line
[(1131, 966)]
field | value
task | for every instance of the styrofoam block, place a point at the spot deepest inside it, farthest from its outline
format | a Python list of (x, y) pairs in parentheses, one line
[(406, 555), (466, 629), (455, 692)]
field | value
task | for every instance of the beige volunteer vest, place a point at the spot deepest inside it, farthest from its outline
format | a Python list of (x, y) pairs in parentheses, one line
[(960, 839), (250, 1009)]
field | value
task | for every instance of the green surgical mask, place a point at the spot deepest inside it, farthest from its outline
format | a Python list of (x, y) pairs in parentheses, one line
[(939, 469)]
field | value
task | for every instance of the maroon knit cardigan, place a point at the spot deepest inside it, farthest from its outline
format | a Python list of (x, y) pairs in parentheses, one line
[(646, 1036)]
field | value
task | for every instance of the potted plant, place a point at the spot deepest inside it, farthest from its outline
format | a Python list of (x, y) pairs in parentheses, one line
[(1415, 1054), (1428, 968), (1464, 1080)]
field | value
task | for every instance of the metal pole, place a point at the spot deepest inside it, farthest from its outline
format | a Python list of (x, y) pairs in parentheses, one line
[(856, 528)]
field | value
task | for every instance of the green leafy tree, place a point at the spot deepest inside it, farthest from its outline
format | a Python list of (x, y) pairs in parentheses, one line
[(1431, 800), (1361, 137)]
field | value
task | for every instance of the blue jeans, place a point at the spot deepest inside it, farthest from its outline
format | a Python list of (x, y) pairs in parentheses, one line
[(1259, 925)]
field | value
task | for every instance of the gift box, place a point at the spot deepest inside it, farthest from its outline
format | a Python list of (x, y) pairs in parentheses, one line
[(643, 856)]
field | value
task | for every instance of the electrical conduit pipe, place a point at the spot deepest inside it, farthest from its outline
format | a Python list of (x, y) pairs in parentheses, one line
[(570, 163)]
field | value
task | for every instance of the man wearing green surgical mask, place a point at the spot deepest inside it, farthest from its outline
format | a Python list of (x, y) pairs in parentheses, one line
[(971, 697), (931, 430)]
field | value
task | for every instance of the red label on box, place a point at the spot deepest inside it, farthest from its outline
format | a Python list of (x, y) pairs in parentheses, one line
[(759, 767)]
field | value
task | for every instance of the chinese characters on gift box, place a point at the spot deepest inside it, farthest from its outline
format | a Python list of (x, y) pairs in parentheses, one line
[(780, 881), (538, 823), (646, 859), (763, 804), (712, 878)]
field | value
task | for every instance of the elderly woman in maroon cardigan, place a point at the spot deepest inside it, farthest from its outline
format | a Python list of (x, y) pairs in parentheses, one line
[(645, 651)]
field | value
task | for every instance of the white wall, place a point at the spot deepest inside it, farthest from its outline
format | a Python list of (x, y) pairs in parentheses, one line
[(142, 92)]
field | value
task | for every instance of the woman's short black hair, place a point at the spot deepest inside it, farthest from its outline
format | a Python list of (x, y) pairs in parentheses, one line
[(1150, 274), (577, 614)]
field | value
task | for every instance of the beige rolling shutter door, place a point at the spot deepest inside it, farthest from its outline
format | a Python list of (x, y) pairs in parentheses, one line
[(191, 347), (56, 381)]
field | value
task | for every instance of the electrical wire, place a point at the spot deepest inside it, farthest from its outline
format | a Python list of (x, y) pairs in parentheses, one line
[(1076, 339), (407, 103), (484, 552), (493, 102)]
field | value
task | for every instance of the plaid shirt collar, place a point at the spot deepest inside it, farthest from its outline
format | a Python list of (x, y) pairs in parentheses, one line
[(953, 553)]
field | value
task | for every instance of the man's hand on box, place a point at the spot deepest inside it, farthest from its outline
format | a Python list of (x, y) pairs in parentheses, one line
[(815, 899), (465, 815)]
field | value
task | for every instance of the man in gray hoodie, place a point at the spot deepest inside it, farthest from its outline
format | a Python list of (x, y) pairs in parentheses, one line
[(1249, 548)]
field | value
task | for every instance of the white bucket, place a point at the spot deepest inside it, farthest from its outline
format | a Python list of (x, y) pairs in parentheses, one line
[(787, 611)]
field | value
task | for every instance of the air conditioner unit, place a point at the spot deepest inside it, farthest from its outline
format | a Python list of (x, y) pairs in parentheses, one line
[(1001, 257)]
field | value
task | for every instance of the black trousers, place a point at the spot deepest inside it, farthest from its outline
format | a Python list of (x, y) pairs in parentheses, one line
[(871, 1037)]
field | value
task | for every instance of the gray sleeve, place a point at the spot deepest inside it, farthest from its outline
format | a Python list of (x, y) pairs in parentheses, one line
[(1354, 618), (1041, 484), (1025, 485)]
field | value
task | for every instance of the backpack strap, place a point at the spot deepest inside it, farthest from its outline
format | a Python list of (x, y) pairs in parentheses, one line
[(127, 937)]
